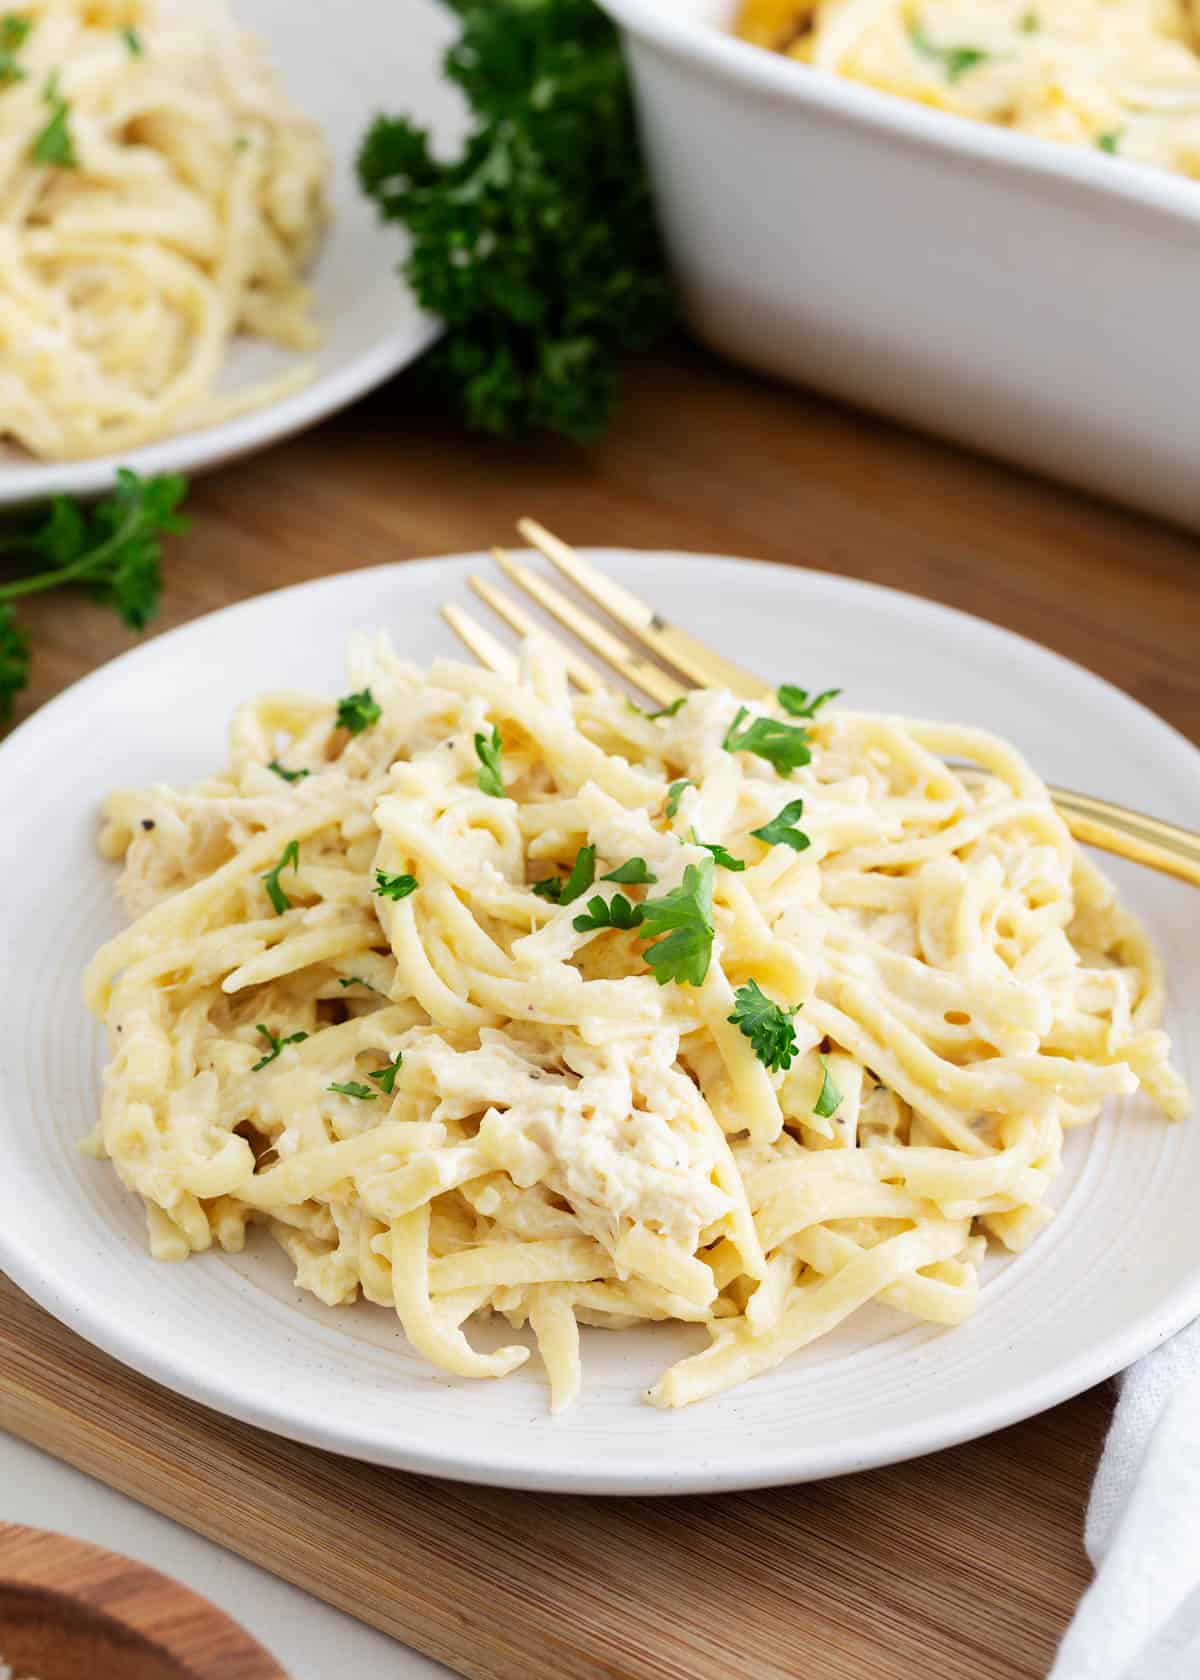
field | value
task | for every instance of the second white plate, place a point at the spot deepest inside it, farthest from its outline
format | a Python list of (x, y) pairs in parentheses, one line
[(1117, 1270), (388, 59)]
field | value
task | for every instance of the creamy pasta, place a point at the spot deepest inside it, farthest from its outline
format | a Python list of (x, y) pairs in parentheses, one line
[(486, 997), (1120, 75), (158, 196)]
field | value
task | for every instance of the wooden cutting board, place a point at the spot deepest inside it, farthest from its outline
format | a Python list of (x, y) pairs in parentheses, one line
[(868, 1575)]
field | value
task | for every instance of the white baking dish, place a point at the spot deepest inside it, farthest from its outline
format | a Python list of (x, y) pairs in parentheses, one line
[(1036, 300)]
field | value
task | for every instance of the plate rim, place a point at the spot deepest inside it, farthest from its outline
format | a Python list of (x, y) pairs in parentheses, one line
[(125, 1340)]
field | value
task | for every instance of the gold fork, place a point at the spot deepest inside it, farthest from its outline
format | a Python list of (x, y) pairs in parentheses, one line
[(1097, 822)]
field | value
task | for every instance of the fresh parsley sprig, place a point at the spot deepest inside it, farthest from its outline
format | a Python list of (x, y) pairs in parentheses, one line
[(113, 550), (829, 1098), (13, 30), (275, 1046), (487, 751), (955, 61), (353, 1088), (55, 144), (616, 912), (393, 886), (675, 793), (785, 745), (634, 872), (289, 860), (797, 703), (537, 246), (566, 890), (385, 1077), (724, 859), (672, 710), (681, 922), (766, 1024), (287, 775), (358, 711), (780, 831)]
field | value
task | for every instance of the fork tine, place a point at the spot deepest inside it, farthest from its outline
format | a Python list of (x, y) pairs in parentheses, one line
[(673, 646), (582, 674), (636, 670), (481, 642)]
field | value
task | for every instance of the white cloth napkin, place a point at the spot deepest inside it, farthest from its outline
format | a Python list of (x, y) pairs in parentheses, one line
[(1140, 1618)]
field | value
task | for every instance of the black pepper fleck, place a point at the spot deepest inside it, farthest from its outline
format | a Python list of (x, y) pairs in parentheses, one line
[(147, 823)]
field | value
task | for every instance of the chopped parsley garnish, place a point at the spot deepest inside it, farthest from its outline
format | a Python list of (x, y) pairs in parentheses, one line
[(725, 859), (112, 550), (275, 1046), (682, 923), (785, 745), (353, 1088), (133, 41), (488, 751), (13, 30), (796, 702), (616, 912), (357, 712), (956, 61), (767, 1025), (393, 886), (288, 775), (675, 793), (345, 980), (583, 873), (54, 145), (385, 1077), (632, 873), (1110, 141), (290, 859), (829, 1099), (780, 831), (663, 711), (1028, 23)]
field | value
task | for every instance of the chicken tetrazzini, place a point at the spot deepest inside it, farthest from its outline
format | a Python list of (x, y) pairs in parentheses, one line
[(486, 997)]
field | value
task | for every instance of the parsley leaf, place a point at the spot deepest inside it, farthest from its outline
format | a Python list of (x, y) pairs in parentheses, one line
[(780, 832), (675, 793), (385, 1077), (14, 660), (684, 919), (566, 891), (291, 858), (357, 712), (275, 1046), (537, 246), (13, 30), (353, 1088), (956, 61), (725, 859), (663, 711), (133, 41), (488, 753), (54, 145), (288, 775), (767, 1025), (796, 703), (785, 745), (829, 1099), (632, 873), (345, 980), (617, 912), (1110, 141), (1028, 23), (393, 886)]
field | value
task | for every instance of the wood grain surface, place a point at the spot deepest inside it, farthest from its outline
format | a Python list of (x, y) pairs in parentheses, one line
[(967, 1564), (70, 1608)]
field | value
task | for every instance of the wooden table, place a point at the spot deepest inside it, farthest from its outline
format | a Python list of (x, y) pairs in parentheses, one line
[(968, 1563)]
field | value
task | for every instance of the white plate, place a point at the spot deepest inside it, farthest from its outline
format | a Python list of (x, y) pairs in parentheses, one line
[(388, 59), (1117, 1270)]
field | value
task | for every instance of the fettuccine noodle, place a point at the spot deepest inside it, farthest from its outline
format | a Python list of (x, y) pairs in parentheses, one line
[(448, 1098), (158, 195)]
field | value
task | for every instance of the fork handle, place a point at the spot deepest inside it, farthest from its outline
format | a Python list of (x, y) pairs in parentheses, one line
[(1130, 834)]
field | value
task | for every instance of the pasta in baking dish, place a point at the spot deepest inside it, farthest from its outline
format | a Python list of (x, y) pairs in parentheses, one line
[(485, 996), (1119, 75), (159, 195)]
